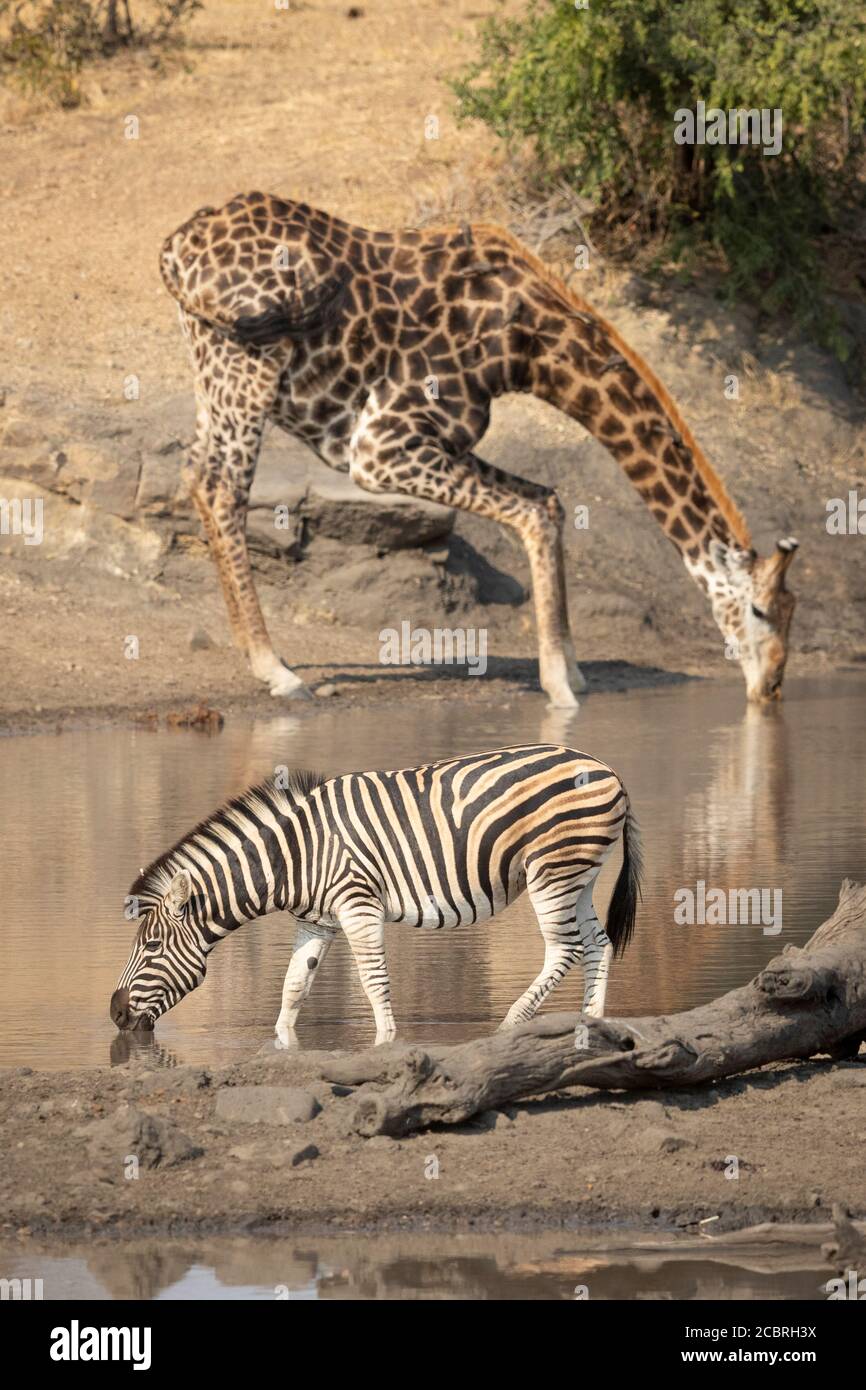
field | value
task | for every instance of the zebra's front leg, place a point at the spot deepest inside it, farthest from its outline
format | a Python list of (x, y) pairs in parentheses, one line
[(597, 957), (309, 951), (365, 931)]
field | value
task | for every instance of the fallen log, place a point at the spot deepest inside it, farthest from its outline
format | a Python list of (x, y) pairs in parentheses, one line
[(808, 1000)]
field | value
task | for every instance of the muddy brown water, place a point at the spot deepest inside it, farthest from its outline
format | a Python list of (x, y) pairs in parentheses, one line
[(727, 795), (470, 1266)]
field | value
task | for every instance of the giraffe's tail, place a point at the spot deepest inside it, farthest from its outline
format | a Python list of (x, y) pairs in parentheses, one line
[(304, 299), (626, 893), (171, 258)]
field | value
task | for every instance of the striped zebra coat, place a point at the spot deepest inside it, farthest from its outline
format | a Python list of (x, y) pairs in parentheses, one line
[(439, 845)]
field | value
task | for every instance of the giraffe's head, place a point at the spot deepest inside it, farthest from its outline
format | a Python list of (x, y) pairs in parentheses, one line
[(753, 608), (167, 961)]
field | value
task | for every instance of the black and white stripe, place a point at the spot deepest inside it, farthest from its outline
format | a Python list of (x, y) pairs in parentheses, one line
[(434, 846)]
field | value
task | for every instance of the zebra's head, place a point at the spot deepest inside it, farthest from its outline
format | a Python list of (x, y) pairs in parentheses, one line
[(168, 959)]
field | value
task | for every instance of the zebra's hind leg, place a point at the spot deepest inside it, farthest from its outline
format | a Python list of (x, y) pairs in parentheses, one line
[(597, 954), (365, 931), (555, 909), (309, 951)]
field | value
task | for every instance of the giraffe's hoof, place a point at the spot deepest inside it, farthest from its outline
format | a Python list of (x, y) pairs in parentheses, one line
[(562, 697), (287, 686), (577, 680)]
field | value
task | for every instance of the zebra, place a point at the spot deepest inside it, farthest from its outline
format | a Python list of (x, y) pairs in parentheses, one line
[(440, 845)]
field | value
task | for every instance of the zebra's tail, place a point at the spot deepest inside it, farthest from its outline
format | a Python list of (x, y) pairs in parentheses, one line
[(626, 892)]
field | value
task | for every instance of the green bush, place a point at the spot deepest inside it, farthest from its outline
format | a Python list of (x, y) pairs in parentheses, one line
[(595, 92), (45, 43)]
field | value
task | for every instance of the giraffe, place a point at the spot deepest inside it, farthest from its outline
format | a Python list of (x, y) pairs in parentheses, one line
[(381, 351)]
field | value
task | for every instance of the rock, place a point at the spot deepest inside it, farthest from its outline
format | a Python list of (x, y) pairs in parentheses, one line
[(648, 1112), (201, 641), (338, 508), (193, 1081), (116, 495), (305, 1155), (61, 529), (281, 477), (131, 1132), (492, 1119), (325, 691), (246, 1153), (266, 1105), (321, 501), (160, 485), (654, 1139), (274, 534)]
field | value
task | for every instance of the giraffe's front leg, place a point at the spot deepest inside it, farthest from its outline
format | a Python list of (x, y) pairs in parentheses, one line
[(309, 951), (365, 930), (541, 531)]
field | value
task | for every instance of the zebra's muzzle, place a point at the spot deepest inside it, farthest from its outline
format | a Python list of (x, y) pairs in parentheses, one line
[(121, 1016)]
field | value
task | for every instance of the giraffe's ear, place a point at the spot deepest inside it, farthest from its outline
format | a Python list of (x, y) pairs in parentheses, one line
[(179, 891)]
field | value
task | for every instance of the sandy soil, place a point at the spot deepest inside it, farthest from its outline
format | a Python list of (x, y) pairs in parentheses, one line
[(573, 1159)]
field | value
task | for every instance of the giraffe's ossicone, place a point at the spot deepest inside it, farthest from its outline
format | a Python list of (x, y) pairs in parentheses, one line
[(382, 351)]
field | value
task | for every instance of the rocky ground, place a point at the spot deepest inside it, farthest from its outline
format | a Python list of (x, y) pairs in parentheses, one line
[(268, 1145)]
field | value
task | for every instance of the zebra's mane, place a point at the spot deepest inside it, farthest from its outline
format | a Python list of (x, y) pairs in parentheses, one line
[(154, 881)]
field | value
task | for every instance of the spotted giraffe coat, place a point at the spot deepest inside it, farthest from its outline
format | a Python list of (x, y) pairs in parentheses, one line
[(382, 351)]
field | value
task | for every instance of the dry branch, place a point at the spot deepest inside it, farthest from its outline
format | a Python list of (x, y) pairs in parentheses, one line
[(809, 1000)]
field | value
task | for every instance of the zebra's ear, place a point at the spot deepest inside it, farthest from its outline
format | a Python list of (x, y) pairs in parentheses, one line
[(179, 890)]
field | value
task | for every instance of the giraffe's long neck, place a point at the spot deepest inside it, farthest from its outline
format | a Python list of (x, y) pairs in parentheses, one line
[(599, 381), (569, 355)]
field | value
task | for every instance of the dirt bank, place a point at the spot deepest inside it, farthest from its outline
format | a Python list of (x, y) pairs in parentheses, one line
[(206, 1161)]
